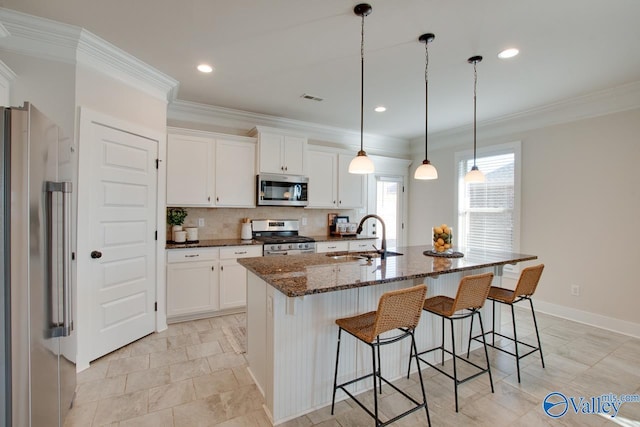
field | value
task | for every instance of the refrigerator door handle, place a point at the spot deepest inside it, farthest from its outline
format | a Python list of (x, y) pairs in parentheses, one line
[(66, 188)]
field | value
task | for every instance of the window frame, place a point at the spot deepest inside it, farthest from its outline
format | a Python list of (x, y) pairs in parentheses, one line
[(514, 147)]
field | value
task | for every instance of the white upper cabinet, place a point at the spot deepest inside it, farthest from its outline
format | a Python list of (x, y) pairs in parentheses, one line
[(206, 169), (323, 176), (235, 173), (330, 183), (189, 170), (281, 153), (351, 186)]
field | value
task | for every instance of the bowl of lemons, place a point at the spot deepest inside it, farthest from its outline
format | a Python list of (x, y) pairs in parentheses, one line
[(442, 239)]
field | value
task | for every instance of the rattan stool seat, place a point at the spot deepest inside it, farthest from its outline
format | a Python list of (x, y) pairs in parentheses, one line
[(441, 305), (360, 326), (501, 294)]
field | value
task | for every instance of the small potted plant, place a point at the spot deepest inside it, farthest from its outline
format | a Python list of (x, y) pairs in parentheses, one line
[(175, 218)]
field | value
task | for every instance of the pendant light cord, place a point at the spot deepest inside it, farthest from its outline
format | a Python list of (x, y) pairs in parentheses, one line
[(475, 84), (362, 85), (426, 98)]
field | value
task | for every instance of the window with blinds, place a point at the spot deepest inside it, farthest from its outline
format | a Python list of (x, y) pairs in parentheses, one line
[(488, 213)]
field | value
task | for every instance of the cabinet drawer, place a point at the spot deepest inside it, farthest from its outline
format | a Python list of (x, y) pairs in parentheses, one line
[(361, 245), (322, 247), (192, 255), (240, 251)]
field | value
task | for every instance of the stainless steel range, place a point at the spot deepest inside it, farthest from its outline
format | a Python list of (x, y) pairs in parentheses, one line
[(280, 237)]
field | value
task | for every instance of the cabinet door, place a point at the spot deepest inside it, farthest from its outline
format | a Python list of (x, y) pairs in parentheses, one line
[(293, 153), (189, 171), (350, 185), (323, 175), (271, 153), (235, 176), (324, 247), (233, 284), (192, 287)]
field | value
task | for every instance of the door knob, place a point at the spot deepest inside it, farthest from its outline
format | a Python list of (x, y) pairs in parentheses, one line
[(96, 254)]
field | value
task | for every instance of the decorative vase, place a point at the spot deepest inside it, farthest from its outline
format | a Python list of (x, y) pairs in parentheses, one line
[(180, 236), (175, 228), (442, 239)]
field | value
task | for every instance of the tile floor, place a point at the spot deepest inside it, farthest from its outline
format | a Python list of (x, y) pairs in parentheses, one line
[(189, 375)]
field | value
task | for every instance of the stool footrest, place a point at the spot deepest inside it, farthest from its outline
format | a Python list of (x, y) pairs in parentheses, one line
[(481, 370), (367, 410), (493, 334)]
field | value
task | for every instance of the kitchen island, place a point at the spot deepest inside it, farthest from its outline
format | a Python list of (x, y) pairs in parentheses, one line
[(293, 302)]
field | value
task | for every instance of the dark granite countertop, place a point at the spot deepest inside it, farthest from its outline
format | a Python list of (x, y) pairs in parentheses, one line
[(317, 273), (212, 243)]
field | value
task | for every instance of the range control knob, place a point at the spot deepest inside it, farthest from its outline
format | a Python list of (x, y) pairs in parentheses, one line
[(279, 246)]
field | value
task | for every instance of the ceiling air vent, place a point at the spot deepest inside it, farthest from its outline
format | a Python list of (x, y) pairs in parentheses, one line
[(311, 97)]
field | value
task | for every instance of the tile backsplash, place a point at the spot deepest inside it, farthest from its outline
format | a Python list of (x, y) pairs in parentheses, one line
[(225, 223)]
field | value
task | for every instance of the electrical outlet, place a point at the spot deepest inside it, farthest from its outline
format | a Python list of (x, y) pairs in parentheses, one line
[(575, 290), (200, 222), (304, 220)]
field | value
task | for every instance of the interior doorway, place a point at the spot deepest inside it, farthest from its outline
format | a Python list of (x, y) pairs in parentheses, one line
[(386, 199)]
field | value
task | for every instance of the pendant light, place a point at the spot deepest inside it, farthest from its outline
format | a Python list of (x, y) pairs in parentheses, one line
[(361, 164), (474, 175), (426, 170)]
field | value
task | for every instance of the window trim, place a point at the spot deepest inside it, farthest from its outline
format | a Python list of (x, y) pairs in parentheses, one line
[(516, 148)]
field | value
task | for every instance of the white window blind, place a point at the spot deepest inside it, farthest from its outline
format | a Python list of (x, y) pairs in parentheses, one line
[(488, 213)]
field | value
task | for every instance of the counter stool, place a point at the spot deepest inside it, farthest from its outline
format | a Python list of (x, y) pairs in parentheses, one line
[(526, 286), (471, 295), (397, 310)]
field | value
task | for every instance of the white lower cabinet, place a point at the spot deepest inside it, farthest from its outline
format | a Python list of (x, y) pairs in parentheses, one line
[(324, 247), (202, 281), (359, 245), (233, 276), (192, 281)]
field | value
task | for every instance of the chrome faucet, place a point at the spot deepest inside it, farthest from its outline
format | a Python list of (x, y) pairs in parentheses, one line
[(383, 248)]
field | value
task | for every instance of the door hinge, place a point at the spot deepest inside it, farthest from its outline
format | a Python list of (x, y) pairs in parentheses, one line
[(403, 188), (156, 235), (155, 306), (158, 163), (403, 225)]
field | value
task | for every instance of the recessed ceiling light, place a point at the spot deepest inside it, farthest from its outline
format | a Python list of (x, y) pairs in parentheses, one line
[(380, 109), (508, 53), (205, 68)]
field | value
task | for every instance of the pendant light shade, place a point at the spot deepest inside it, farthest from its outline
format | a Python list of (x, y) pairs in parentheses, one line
[(474, 175), (361, 164), (426, 170)]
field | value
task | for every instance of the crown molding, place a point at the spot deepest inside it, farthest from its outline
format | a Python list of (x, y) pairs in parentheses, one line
[(245, 121), (6, 72), (3, 31), (44, 38), (608, 101)]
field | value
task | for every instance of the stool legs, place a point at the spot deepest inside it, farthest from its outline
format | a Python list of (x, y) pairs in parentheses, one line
[(535, 323), (424, 395), (486, 353), (335, 376), (514, 339)]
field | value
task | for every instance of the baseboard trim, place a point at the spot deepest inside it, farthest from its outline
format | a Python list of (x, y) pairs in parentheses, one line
[(592, 319)]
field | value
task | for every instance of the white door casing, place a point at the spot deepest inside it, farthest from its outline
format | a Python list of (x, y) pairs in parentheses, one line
[(118, 204)]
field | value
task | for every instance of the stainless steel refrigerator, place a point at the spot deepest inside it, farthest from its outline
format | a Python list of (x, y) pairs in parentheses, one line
[(38, 341)]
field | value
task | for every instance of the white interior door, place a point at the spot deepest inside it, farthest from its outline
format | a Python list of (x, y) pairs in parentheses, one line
[(386, 199), (122, 221)]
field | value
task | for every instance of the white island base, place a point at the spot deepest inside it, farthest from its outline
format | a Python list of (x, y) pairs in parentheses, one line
[(291, 342)]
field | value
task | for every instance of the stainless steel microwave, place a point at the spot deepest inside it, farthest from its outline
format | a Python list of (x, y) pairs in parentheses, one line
[(282, 190)]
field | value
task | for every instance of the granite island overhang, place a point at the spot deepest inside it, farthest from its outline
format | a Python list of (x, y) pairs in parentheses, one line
[(293, 301)]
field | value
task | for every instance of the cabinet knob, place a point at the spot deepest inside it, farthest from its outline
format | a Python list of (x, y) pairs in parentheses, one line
[(221, 268), (208, 198), (212, 268), (286, 168), (217, 199)]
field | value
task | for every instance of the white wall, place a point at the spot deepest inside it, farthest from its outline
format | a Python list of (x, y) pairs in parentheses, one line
[(580, 210)]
